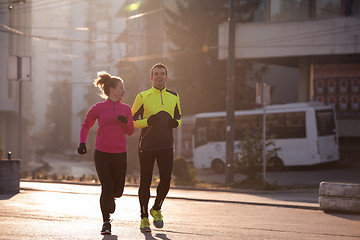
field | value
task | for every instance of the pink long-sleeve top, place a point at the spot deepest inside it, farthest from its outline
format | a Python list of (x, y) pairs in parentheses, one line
[(111, 132)]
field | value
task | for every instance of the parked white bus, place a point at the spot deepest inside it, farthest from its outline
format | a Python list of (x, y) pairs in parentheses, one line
[(306, 133)]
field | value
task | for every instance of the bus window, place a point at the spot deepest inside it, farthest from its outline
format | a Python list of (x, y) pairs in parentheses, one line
[(276, 125), (325, 122), (216, 132), (246, 122), (286, 125), (200, 132), (295, 125)]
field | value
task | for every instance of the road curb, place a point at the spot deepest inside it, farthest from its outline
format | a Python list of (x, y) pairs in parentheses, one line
[(343, 197)]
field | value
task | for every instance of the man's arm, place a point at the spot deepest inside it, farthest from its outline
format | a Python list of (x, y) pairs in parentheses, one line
[(177, 110), (137, 111)]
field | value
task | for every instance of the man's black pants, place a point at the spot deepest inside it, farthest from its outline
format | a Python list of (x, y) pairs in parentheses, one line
[(164, 160)]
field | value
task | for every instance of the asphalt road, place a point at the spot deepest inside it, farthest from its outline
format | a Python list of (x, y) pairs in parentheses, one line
[(65, 211)]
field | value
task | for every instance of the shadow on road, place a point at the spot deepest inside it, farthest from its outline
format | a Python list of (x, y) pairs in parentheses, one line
[(6, 196), (148, 236), (110, 237), (162, 236), (345, 215)]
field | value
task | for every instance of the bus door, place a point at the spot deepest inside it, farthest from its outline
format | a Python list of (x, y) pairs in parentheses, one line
[(327, 135)]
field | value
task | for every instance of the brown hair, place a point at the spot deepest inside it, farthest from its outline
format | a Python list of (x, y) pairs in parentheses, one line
[(105, 81), (158, 65)]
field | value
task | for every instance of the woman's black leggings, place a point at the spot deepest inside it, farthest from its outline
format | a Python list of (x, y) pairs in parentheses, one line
[(111, 170), (164, 159)]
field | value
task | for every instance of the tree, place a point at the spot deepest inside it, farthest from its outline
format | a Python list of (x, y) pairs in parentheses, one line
[(200, 78), (250, 162), (57, 131)]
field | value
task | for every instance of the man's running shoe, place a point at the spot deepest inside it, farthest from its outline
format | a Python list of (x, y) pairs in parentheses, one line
[(158, 221), (145, 225), (106, 228)]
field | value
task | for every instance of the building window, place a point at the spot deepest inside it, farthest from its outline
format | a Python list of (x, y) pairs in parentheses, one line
[(261, 12), (284, 10), (328, 8), (293, 10)]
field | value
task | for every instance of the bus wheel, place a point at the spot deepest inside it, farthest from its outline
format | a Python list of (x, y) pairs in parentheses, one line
[(218, 166), (275, 164)]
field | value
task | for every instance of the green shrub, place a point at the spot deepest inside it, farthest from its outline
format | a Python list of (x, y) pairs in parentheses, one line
[(182, 172), (251, 155)]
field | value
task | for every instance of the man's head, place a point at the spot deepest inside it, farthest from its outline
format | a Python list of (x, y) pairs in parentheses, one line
[(158, 75)]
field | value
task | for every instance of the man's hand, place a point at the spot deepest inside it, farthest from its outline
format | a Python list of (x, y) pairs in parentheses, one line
[(152, 119), (82, 148), (173, 123), (122, 119)]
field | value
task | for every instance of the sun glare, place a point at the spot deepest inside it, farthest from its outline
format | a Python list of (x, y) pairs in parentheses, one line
[(82, 29), (134, 6)]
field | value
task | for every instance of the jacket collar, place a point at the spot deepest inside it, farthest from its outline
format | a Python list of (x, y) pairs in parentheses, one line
[(109, 101), (157, 90)]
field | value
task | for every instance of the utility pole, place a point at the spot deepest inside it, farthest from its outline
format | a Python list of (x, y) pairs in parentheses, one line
[(230, 98), (20, 108), (264, 87), (19, 69)]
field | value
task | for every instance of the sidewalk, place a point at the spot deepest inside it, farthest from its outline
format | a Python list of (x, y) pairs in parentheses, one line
[(305, 177)]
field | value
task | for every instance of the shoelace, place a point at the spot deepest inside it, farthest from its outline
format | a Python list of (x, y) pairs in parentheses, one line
[(145, 223), (158, 215)]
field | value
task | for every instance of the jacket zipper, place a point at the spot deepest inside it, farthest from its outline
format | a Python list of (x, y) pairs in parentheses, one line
[(162, 103)]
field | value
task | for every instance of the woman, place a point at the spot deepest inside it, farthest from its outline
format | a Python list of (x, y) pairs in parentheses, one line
[(114, 121)]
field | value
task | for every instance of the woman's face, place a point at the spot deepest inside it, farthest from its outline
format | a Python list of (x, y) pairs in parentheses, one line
[(118, 92)]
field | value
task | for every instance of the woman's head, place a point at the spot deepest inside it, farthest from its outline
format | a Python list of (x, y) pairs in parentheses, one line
[(105, 82)]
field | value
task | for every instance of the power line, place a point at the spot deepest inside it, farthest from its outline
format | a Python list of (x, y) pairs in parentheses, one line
[(41, 6), (325, 32), (36, 37)]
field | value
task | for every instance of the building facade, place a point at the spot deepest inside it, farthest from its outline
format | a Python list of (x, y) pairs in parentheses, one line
[(318, 37)]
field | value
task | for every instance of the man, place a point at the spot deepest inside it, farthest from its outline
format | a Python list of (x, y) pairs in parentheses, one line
[(156, 111)]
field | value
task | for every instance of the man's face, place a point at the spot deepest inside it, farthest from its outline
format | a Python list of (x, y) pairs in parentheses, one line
[(159, 78)]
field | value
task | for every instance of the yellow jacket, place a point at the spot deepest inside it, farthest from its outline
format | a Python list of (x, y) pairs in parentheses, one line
[(165, 104)]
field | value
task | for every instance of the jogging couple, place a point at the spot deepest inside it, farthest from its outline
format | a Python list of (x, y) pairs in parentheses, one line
[(156, 111)]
